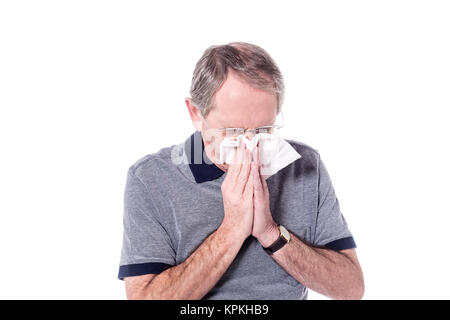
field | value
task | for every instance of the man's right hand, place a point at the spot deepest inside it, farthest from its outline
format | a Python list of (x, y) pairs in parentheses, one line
[(194, 278), (237, 193)]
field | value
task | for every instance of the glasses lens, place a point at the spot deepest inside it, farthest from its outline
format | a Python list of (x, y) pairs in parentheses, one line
[(233, 132), (268, 129)]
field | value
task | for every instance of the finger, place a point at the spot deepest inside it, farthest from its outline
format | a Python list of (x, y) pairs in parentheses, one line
[(239, 159), (256, 154), (257, 185), (261, 181), (244, 173), (249, 189), (234, 166), (264, 184)]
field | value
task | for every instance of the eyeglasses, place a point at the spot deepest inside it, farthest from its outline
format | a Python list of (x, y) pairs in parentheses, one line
[(235, 132)]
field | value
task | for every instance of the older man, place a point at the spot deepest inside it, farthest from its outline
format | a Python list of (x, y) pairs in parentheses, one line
[(208, 230)]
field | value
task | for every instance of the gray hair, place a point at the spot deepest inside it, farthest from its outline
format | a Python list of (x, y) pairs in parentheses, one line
[(251, 62)]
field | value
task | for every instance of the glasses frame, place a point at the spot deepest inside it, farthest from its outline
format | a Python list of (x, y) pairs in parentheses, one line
[(252, 130)]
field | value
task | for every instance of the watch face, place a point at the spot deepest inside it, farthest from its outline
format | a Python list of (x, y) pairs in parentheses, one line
[(285, 233)]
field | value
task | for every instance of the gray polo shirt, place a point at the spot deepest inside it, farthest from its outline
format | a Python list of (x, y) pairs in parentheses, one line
[(171, 207)]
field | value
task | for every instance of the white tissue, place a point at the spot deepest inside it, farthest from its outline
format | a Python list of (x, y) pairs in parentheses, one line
[(275, 153)]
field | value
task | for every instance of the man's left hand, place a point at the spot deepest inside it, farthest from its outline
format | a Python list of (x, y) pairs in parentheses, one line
[(264, 227)]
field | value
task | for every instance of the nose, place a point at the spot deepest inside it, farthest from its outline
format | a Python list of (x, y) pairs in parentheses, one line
[(249, 134)]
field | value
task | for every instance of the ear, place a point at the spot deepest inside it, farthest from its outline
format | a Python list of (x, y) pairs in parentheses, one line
[(194, 113)]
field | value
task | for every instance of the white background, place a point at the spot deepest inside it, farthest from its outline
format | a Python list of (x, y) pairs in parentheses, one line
[(89, 87)]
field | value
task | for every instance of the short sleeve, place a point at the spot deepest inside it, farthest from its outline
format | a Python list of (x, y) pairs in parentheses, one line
[(331, 229), (146, 245)]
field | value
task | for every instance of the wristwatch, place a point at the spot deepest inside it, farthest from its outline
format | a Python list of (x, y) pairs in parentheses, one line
[(283, 238)]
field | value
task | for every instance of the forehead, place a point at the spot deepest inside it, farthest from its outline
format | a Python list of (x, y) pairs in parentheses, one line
[(238, 104)]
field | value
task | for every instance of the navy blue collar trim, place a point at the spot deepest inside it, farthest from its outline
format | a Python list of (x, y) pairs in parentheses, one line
[(201, 171)]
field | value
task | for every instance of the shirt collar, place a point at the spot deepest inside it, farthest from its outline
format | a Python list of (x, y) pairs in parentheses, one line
[(201, 170)]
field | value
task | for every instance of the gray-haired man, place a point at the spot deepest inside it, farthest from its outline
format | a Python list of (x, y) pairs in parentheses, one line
[(207, 230)]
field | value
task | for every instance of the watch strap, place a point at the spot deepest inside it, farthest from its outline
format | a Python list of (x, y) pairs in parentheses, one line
[(277, 245)]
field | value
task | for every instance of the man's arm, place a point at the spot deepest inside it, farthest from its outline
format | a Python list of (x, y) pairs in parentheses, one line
[(336, 274), (193, 278)]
